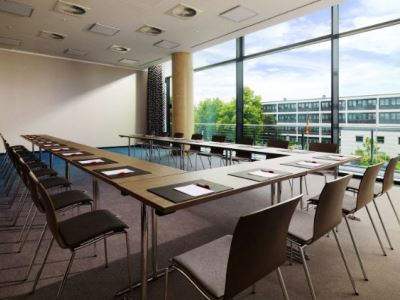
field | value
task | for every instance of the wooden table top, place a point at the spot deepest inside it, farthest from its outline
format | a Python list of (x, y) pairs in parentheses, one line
[(137, 186)]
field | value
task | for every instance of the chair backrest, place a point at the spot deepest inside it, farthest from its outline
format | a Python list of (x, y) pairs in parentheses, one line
[(218, 139), (323, 147), (278, 144), (31, 185), (389, 174), (328, 213), (258, 246), (196, 136), (162, 143), (244, 141), (51, 216), (177, 135), (367, 186)]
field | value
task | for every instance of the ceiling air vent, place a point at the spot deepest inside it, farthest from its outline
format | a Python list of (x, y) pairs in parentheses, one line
[(15, 8), (183, 11), (75, 52), (71, 9), (119, 49), (103, 29), (127, 62), (238, 14), (150, 30), (52, 35), (166, 44)]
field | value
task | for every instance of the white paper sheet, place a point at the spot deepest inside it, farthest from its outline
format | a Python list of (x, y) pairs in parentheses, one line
[(117, 172), (262, 173), (308, 164), (339, 157), (91, 161), (72, 153), (193, 190), (59, 149)]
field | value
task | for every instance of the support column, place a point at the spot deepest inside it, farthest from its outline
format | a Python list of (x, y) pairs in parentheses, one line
[(182, 93)]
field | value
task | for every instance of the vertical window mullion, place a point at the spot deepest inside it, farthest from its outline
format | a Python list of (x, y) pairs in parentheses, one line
[(239, 87), (335, 131)]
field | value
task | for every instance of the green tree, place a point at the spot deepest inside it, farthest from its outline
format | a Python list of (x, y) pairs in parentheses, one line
[(208, 110), (365, 153)]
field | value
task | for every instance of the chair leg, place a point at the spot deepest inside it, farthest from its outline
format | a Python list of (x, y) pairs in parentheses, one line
[(282, 283), (345, 262), (21, 245), (39, 273), (253, 289), (36, 252), (105, 252), (383, 225), (356, 249), (166, 284), (21, 234), (306, 185), (202, 163), (128, 259), (394, 209), (376, 231), (307, 272), (60, 290)]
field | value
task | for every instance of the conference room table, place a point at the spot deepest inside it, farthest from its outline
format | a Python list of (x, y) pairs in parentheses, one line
[(149, 188), (228, 147)]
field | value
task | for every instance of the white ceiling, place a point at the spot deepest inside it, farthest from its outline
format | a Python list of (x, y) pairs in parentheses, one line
[(204, 30)]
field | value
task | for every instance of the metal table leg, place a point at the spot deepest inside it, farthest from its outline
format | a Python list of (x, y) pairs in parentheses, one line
[(95, 191), (50, 160), (272, 193), (129, 146), (182, 159), (301, 192), (279, 194), (144, 248), (66, 174)]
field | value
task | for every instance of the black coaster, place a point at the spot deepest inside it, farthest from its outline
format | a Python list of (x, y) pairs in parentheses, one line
[(175, 196), (71, 153), (105, 161), (297, 165), (335, 157), (246, 175), (121, 174)]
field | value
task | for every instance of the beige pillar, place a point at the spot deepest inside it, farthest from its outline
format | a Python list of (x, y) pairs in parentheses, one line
[(182, 93)]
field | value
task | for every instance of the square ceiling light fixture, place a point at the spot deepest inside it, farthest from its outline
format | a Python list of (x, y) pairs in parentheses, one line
[(238, 14), (128, 62), (71, 9), (150, 30), (75, 52), (9, 41), (166, 44), (183, 12), (103, 29), (15, 8)]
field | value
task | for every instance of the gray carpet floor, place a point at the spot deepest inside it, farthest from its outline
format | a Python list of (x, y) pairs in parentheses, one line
[(193, 227)]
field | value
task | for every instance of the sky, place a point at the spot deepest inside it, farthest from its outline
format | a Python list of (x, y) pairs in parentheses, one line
[(369, 62)]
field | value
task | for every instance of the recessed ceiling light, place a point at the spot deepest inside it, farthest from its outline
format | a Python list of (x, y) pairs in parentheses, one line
[(166, 44), (75, 52), (150, 30), (183, 11), (69, 8), (20, 9), (103, 29), (120, 49), (128, 62), (238, 14), (9, 42), (52, 35)]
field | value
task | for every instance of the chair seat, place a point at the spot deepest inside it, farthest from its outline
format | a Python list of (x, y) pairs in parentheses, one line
[(207, 265), (301, 228), (68, 198), (85, 227), (44, 172), (54, 182)]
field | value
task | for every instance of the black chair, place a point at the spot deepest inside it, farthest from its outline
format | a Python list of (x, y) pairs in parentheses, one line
[(214, 151), (351, 205), (305, 229), (241, 155), (78, 232), (225, 267), (194, 149)]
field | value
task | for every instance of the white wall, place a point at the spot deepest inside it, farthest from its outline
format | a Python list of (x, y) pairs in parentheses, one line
[(82, 102)]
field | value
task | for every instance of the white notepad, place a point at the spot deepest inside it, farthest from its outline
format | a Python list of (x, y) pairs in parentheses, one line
[(340, 157), (193, 190), (59, 149), (91, 161), (117, 172), (263, 174), (308, 164), (72, 153)]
